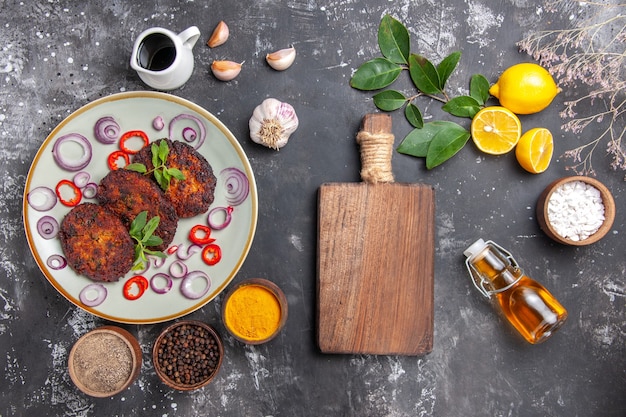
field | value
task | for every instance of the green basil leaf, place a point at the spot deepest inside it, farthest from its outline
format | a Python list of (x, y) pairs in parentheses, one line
[(450, 139), (479, 88), (414, 116), (424, 74), (152, 241), (138, 252), (164, 150), (375, 74), (157, 253), (138, 224), (389, 100), (462, 106), (137, 167), (446, 67), (154, 148), (176, 173), (158, 176), (150, 227), (393, 40)]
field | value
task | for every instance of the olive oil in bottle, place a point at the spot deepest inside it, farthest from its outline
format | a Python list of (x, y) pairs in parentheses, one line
[(526, 304)]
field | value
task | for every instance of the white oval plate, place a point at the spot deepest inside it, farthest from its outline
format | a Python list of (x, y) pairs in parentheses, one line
[(136, 111)]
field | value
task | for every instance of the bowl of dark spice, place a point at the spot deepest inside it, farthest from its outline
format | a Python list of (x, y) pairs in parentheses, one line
[(187, 355), (576, 210), (105, 361), (254, 311)]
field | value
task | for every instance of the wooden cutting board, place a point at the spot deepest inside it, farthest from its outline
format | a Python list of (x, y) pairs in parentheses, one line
[(375, 276)]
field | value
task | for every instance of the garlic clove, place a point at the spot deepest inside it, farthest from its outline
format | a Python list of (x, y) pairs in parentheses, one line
[(226, 70), (219, 36), (281, 59), (272, 123)]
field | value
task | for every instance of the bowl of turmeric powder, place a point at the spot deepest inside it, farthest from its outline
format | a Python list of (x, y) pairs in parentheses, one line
[(254, 311)]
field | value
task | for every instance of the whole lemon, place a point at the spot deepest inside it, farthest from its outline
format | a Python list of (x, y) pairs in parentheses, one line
[(525, 88)]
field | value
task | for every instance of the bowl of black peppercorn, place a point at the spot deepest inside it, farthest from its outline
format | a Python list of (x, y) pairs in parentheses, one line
[(187, 355)]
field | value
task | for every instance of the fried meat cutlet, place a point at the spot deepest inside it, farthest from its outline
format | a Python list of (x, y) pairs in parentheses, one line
[(128, 193), (96, 243), (194, 194)]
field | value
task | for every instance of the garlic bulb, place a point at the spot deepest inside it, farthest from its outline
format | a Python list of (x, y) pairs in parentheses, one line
[(272, 123), (282, 59), (219, 35), (225, 70)]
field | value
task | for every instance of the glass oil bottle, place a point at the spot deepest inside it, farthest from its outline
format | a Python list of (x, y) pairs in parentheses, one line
[(526, 304)]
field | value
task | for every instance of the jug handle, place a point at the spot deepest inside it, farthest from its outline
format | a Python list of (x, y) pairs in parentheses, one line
[(189, 36)]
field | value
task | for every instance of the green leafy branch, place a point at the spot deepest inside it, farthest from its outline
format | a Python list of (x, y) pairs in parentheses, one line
[(162, 174), (437, 141), (142, 231)]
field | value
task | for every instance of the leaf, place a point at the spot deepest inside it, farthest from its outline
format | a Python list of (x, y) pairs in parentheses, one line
[(393, 40), (137, 167), (414, 116), (462, 106), (152, 241), (154, 149), (416, 143), (424, 74), (157, 253), (149, 228), (139, 253), (158, 176), (446, 67), (176, 173), (389, 100), (164, 150), (138, 224), (375, 74), (479, 88), (450, 139)]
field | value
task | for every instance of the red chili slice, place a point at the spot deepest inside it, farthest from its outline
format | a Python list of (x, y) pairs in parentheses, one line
[(211, 254), (77, 195), (138, 282), (133, 134), (201, 235), (114, 158)]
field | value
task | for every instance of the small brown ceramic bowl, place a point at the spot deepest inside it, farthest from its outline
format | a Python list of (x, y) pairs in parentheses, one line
[(105, 361), (196, 339), (254, 311), (543, 216)]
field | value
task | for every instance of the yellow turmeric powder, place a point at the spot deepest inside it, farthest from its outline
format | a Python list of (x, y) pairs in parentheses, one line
[(252, 313)]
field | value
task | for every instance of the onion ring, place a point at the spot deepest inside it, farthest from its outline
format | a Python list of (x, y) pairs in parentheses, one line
[(101, 295), (178, 269), (186, 286), (157, 261), (72, 164), (56, 262), (158, 288), (236, 185), (81, 179), (216, 225), (201, 129), (183, 254), (42, 198), (48, 227), (90, 190), (106, 130)]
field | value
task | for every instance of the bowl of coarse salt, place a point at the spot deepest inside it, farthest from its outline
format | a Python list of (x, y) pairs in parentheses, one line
[(576, 210)]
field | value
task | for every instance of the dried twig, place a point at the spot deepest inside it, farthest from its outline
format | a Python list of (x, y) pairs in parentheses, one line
[(593, 53)]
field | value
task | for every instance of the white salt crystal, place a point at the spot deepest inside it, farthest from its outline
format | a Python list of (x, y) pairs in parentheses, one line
[(576, 210)]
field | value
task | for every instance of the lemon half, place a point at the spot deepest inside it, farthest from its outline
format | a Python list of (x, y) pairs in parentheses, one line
[(496, 130)]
